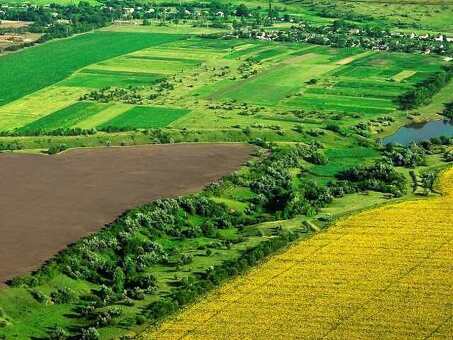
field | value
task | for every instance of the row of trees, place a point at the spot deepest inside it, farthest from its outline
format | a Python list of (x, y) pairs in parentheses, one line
[(422, 92)]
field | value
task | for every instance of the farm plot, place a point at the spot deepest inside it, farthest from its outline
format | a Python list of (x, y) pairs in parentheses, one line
[(383, 273), (33, 69), (36, 105), (200, 76), (66, 117), (30, 112), (137, 64), (144, 117), (88, 78)]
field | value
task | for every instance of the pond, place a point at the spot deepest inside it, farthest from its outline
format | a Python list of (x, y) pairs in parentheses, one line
[(421, 131)]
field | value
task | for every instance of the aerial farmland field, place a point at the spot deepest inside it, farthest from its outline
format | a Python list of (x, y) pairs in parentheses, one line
[(275, 79), (364, 278), (225, 169)]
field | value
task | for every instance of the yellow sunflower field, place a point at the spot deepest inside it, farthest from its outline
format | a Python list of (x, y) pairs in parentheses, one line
[(383, 273)]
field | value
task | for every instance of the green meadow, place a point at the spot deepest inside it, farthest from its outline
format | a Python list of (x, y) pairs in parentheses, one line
[(145, 117), (32, 69), (215, 84)]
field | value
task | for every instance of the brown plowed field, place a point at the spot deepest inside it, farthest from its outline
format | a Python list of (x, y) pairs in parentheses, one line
[(48, 202)]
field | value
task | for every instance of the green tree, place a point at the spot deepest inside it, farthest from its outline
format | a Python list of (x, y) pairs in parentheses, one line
[(118, 280)]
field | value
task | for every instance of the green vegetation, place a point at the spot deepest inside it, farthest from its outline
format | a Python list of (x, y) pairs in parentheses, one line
[(160, 256), (314, 111), (33, 69), (64, 118), (143, 117)]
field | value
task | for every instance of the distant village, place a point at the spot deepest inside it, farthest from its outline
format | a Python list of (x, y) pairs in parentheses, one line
[(239, 21), (341, 34)]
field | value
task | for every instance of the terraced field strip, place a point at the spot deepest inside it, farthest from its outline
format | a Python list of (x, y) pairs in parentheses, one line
[(384, 273), (145, 117), (36, 105), (67, 117), (107, 114), (35, 68), (403, 75)]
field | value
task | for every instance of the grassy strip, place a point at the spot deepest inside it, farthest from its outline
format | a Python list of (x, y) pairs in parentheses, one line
[(144, 117), (32, 69), (65, 118)]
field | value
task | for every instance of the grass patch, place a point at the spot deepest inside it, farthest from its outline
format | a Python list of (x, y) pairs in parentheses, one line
[(35, 68), (145, 117), (93, 79), (344, 158), (65, 118)]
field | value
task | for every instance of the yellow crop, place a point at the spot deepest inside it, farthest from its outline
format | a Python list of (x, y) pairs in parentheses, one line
[(384, 273)]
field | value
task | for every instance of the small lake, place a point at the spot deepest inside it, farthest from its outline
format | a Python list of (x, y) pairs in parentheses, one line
[(421, 131)]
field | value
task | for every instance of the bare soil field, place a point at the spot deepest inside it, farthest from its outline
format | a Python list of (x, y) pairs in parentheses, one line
[(48, 202)]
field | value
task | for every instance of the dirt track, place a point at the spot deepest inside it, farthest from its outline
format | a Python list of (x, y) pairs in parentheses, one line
[(47, 202)]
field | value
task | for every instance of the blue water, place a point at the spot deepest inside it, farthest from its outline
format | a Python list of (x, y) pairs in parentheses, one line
[(421, 131)]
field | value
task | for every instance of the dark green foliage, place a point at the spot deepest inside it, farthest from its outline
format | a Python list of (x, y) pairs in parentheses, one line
[(380, 176), (58, 333), (63, 295), (427, 180), (425, 90), (44, 132), (90, 333), (39, 296), (10, 146), (53, 149), (118, 280), (407, 156), (448, 156), (312, 154), (448, 110)]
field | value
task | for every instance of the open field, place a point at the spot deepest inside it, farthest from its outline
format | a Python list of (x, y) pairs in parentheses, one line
[(72, 194), (314, 113), (218, 84), (32, 69), (382, 273)]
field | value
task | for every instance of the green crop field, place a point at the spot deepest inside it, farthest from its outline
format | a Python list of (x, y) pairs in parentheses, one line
[(65, 118), (145, 117), (32, 69), (98, 79), (228, 84)]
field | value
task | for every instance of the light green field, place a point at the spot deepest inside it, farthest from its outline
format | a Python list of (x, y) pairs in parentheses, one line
[(107, 113), (285, 85), (67, 117)]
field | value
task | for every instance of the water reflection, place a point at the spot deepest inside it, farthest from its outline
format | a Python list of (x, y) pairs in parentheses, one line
[(417, 132)]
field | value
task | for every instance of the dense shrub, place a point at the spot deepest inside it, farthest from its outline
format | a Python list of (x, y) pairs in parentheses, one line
[(422, 93), (407, 156), (63, 295), (380, 176)]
